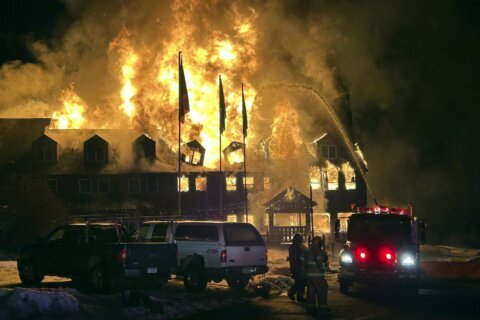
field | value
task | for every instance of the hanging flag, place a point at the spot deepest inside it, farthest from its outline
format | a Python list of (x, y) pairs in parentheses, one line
[(183, 103), (244, 115), (223, 112)]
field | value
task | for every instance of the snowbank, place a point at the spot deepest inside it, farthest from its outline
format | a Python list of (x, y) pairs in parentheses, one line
[(22, 303)]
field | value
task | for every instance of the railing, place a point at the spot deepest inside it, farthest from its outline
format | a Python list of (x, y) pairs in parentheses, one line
[(285, 234)]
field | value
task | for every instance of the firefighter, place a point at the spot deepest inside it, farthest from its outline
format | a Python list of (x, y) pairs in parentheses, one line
[(315, 261), (295, 253)]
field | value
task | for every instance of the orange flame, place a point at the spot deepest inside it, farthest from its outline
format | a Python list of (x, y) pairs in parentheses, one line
[(149, 80), (128, 61), (286, 139), (73, 109)]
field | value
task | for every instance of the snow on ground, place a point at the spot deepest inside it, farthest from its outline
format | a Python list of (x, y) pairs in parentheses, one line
[(430, 253), (58, 300), (9, 274)]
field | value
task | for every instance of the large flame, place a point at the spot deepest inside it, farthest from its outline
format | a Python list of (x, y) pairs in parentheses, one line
[(148, 77), (285, 141), (128, 59), (71, 114)]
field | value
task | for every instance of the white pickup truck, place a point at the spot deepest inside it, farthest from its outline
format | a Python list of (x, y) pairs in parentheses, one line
[(211, 251)]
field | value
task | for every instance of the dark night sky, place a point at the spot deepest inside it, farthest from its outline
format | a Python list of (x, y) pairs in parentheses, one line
[(421, 146)]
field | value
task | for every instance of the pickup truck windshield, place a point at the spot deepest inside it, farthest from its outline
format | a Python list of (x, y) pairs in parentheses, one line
[(379, 228)]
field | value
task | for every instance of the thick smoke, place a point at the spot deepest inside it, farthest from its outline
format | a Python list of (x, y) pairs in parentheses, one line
[(403, 68)]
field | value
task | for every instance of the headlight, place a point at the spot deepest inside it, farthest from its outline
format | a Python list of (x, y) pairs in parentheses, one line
[(407, 260), (346, 258)]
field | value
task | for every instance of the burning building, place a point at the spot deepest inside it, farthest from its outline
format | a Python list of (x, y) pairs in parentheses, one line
[(107, 141)]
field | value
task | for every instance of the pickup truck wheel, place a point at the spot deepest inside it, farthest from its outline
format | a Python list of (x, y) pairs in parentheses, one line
[(344, 286), (238, 282), (194, 279), (98, 279), (29, 274)]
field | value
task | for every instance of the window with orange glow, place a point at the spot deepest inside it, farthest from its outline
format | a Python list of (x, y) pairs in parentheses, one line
[(231, 183), (183, 184), (201, 183)]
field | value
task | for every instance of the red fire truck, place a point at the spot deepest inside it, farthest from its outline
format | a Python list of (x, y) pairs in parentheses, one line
[(381, 247)]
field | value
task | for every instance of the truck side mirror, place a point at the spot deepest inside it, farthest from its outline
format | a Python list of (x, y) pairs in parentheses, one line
[(422, 231), (337, 229)]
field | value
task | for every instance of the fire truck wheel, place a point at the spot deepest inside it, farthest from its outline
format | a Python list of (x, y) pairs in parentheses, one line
[(29, 275), (344, 286), (194, 279), (239, 282)]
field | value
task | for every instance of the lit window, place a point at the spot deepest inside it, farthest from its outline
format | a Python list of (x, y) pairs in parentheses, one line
[(266, 220), (289, 219), (349, 173), (183, 184), (201, 183), (248, 182), (343, 217), (193, 153), (315, 178), (236, 156), (133, 185), (332, 176), (328, 151), (196, 157), (103, 185), (85, 186), (152, 185), (266, 183), (231, 183), (231, 218), (321, 223)]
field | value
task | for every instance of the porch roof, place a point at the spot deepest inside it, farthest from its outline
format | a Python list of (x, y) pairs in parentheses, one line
[(289, 201)]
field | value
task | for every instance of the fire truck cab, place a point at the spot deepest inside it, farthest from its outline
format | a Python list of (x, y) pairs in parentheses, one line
[(382, 247)]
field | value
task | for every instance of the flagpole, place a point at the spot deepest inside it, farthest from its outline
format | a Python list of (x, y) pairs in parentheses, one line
[(220, 146), (245, 163), (179, 191)]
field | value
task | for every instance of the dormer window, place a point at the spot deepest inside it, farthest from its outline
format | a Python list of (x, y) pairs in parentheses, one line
[(45, 150), (95, 151), (144, 148), (96, 155), (193, 153), (44, 154), (234, 152)]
